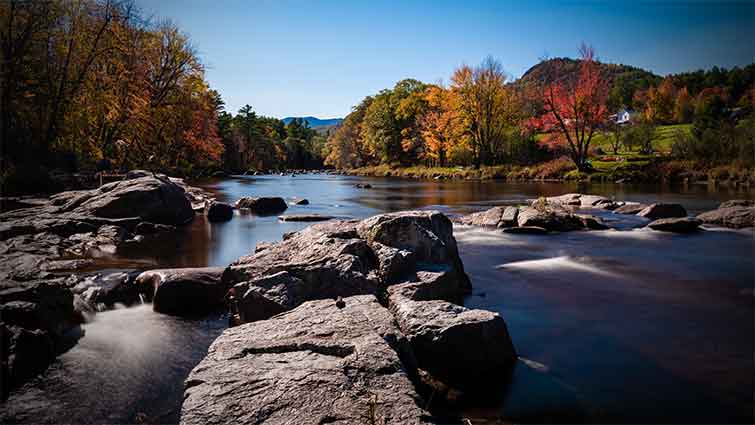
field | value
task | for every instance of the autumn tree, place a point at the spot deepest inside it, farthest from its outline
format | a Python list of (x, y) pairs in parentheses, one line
[(439, 124), (683, 108), (575, 109), (345, 147), (659, 107), (483, 107)]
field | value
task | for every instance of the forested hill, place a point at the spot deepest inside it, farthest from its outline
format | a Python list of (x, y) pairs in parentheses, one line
[(625, 80), (547, 69), (315, 122)]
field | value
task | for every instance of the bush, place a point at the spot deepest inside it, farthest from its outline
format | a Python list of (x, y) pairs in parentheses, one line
[(554, 169)]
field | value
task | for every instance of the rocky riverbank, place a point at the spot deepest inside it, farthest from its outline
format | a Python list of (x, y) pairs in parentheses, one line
[(47, 250)]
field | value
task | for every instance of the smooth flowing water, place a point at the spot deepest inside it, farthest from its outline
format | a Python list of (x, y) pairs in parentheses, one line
[(625, 325)]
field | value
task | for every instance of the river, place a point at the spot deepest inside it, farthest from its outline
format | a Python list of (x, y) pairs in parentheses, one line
[(626, 325)]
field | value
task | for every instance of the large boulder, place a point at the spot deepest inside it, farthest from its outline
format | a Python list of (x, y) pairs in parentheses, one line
[(428, 234), (323, 362), (322, 261), (183, 292), (469, 350), (550, 218), (262, 205), (25, 354), (343, 258), (660, 210), (155, 199), (219, 211), (676, 225), (736, 217), (38, 323)]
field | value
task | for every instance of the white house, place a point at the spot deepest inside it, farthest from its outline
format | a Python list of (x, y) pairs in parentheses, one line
[(624, 116)]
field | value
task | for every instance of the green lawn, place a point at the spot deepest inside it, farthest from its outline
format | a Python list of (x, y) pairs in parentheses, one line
[(664, 138)]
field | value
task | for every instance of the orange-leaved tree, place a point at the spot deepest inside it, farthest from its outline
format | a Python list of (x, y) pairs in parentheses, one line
[(574, 108), (438, 124)]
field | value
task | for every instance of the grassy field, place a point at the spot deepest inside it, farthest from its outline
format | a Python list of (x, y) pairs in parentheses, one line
[(662, 141)]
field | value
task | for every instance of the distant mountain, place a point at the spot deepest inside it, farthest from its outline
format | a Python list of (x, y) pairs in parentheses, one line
[(316, 122)]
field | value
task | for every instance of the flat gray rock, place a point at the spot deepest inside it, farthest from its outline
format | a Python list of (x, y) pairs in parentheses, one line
[(315, 364)]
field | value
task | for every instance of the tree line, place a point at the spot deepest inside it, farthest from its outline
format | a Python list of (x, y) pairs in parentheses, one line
[(90, 84), (482, 118)]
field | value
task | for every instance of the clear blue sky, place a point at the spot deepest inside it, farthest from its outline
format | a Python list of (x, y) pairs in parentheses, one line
[(296, 58)]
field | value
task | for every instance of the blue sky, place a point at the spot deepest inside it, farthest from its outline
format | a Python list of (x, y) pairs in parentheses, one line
[(296, 58)]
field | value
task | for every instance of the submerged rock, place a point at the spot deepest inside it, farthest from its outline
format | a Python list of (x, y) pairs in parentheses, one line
[(300, 201), (676, 225), (107, 289), (736, 217), (183, 292), (305, 217), (526, 230), (592, 222), (315, 364), (263, 205), (656, 211)]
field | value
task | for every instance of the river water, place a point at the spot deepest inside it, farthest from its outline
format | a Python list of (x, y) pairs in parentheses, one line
[(625, 325)]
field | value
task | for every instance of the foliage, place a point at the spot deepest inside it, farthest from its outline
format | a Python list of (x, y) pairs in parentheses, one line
[(574, 110), (94, 80)]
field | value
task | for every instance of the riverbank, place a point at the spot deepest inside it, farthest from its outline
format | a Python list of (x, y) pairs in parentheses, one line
[(607, 169)]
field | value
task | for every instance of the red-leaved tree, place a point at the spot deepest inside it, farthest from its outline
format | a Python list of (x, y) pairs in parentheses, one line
[(575, 108)]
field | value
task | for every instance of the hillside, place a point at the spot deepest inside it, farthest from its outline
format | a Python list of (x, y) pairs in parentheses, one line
[(315, 122), (557, 67), (625, 79)]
